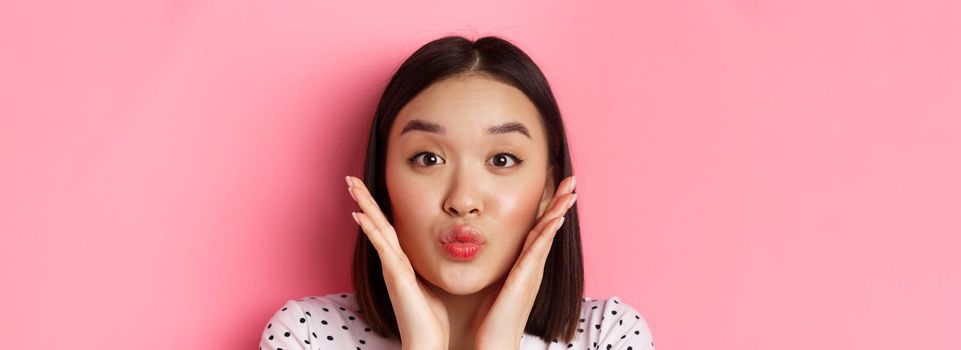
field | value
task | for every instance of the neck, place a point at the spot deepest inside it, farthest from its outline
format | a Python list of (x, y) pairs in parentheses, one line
[(465, 312)]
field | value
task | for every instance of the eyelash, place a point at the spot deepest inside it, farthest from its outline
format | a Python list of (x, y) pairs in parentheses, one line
[(412, 160)]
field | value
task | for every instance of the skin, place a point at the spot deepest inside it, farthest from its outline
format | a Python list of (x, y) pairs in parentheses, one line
[(458, 172)]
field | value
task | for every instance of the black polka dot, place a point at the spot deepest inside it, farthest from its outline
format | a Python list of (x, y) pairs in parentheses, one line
[(326, 309), (351, 318), (286, 334), (609, 346), (344, 327), (308, 313), (269, 324), (613, 312), (302, 320), (330, 338), (323, 321), (284, 309), (598, 326), (363, 341), (271, 337)]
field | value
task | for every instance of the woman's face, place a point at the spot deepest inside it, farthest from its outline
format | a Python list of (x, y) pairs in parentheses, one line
[(466, 150)]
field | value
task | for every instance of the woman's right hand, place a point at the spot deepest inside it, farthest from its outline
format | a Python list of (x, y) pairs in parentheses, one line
[(421, 317)]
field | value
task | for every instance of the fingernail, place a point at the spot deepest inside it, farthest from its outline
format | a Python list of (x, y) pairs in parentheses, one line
[(571, 186), (354, 215), (349, 184), (571, 202), (352, 195), (560, 223)]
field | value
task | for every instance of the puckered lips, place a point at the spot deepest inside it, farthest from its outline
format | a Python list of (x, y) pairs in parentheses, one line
[(462, 242)]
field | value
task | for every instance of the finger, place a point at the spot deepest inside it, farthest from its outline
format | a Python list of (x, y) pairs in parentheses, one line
[(558, 210), (366, 202), (566, 186), (536, 254), (374, 234), (370, 207), (393, 259), (529, 268), (387, 233)]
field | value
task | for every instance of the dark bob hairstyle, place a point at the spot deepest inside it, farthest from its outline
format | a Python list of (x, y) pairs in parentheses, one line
[(557, 306)]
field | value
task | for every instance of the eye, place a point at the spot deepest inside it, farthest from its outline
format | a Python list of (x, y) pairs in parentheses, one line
[(505, 160), (425, 159)]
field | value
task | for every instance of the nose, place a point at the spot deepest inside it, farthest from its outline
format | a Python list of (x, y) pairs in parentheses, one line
[(463, 198)]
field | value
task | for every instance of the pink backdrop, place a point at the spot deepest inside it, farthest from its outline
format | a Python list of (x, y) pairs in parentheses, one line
[(752, 174)]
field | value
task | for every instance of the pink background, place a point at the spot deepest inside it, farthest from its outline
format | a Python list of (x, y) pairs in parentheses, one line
[(752, 174)]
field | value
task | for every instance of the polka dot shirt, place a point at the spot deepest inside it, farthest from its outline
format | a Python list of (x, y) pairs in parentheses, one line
[(333, 321)]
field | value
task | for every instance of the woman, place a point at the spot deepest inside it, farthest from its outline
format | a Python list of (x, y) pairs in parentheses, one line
[(468, 236)]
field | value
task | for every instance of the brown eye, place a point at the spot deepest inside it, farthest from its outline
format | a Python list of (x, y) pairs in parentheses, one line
[(426, 159), (505, 160)]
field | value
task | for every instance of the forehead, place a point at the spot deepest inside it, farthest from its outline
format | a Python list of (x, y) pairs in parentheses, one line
[(470, 104)]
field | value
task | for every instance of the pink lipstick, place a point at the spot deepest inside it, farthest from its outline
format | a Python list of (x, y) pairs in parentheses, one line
[(463, 242)]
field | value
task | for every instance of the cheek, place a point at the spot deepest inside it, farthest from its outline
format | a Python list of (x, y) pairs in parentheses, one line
[(410, 198), (515, 204), (410, 210)]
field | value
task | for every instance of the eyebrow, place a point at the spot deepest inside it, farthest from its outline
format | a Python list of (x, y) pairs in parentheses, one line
[(426, 126)]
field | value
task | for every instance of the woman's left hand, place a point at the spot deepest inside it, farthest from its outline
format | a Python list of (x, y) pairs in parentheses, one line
[(503, 324)]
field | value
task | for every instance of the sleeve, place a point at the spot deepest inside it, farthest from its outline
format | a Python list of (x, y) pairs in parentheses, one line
[(626, 328), (288, 329)]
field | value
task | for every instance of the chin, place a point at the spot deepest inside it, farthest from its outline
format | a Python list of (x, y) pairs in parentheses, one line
[(461, 282), (461, 290)]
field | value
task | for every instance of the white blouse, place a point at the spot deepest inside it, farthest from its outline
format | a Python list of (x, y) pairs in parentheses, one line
[(333, 321)]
